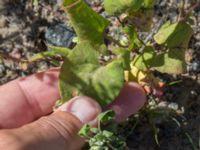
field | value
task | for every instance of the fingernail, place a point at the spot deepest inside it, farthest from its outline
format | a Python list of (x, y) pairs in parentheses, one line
[(84, 108)]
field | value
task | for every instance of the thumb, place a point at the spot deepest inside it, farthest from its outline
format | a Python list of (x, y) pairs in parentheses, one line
[(56, 131)]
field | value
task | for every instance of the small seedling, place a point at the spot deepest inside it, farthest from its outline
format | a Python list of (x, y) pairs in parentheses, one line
[(105, 136)]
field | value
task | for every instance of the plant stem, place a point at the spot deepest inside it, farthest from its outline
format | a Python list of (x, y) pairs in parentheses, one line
[(191, 8), (152, 33), (182, 10), (7, 56)]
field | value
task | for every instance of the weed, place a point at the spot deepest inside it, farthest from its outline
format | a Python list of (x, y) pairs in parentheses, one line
[(83, 74)]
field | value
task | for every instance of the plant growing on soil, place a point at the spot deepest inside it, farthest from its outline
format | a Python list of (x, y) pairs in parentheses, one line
[(105, 135), (82, 72)]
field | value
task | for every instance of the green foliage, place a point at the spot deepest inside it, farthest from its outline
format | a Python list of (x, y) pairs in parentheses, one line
[(146, 60), (174, 35), (84, 73), (149, 3), (63, 51), (171, 62), (42, 55), (134, 41), (85, 130), (171, 36), (107, 116), (106, 140), (89, 25), (85, 76), (101, 138), (123, 57), (121, 6), (139, 12)]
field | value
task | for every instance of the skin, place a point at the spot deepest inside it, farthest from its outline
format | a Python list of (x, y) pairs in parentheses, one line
[(28, 122)]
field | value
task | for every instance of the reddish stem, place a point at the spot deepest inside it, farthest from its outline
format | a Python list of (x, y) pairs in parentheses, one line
[(192, 7)]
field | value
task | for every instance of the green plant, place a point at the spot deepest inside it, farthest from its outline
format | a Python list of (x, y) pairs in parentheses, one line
[(105, 136), (83, 74)]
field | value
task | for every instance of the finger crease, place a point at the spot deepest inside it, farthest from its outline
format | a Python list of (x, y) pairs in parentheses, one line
[(31, 101)]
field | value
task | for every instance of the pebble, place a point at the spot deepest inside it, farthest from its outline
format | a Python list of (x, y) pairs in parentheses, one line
[(3, 22), (162, 104), (194, 66), (193, 94), (60, 35), (173, 106)]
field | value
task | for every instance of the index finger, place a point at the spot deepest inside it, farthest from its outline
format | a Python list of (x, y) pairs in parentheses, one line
[(26, 99)]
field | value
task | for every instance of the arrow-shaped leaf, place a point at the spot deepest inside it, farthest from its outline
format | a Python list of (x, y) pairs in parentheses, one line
[(81, 74), (88, 24)]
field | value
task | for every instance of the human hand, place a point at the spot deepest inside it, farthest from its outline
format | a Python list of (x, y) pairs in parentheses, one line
[(27, 120)]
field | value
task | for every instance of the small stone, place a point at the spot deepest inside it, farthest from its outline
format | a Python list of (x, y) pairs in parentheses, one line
[(3, 22), (162, 104), (173, 106), (106, 58), (189, 55), (193, 94), (194, 66), (60, 35)]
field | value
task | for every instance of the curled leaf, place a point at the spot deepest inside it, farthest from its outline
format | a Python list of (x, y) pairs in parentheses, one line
[(81, 74), (88, 24), (85, 131), (107, 116)]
